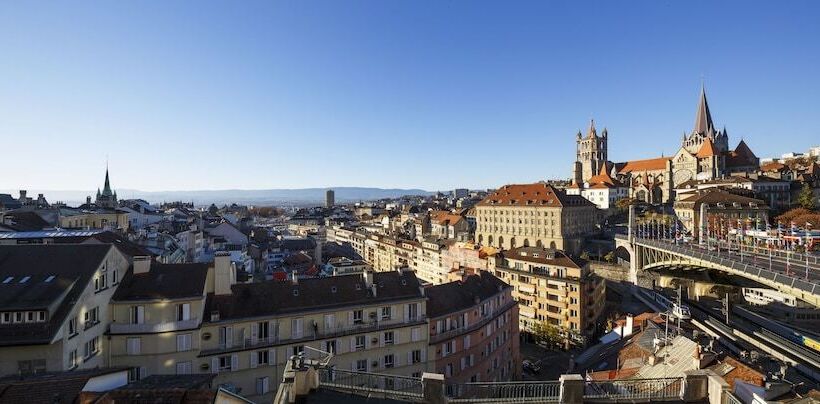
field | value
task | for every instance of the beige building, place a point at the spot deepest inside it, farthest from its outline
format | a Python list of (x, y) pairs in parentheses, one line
[(373, 322), (156, 315), (54, 309), (552, 287), (94, 218), (534, 215), (427, 261), (723, 210)]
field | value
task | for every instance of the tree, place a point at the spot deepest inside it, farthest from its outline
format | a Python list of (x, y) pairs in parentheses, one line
[(610, 257), (585, 255), (806, 197), (623, 203), (547, 334)]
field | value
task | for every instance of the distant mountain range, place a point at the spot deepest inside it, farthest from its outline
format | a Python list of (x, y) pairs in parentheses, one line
[(301, 196)]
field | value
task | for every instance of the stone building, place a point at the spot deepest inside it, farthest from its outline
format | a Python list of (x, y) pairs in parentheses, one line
[(534, 215)]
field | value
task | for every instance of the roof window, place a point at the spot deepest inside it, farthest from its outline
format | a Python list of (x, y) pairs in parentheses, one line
[(25, 279), (7, 280), (50, 278)]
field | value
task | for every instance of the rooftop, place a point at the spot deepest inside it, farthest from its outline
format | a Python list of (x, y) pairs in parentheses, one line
[(456, 296), (164, 281)]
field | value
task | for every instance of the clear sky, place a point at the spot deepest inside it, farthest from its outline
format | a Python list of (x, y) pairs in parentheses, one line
[(429, 94)]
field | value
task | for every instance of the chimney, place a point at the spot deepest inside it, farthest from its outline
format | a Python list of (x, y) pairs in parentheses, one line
[(368, 278), (224, 273), (88, 200), (142, 264), (294, 277), (23, 195)]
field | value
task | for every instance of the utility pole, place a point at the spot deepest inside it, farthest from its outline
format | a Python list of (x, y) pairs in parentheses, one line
[(726, 307), (680, 304)]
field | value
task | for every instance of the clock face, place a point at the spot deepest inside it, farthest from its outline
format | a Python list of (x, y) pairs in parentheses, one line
[(682, 176)]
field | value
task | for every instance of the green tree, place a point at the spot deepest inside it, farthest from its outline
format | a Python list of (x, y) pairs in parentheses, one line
[(806, 197), (585, 255), (610, 257), (547, 334)]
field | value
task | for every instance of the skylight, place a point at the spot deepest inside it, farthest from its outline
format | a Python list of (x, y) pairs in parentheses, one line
[(7, 280), (25, 279), (50, 278)]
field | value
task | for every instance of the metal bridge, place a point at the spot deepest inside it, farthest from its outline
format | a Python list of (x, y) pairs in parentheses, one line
[(797, 278)]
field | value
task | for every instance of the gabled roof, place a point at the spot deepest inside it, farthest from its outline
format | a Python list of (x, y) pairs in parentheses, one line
[(603, 179), (538, 194), (456, 296), (72, 266), (643, 165), (541, 255), (707, 149), (164, 282), (275, 297), (741, 156)]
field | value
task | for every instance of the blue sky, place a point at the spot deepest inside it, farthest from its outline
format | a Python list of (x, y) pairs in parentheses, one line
[(428, 94)]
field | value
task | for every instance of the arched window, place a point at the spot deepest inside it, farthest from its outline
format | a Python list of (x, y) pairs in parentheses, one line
[(526, 242), (552, 245), (490, 240), (512, 242), (501, 242), (480, 239), (539, 244)]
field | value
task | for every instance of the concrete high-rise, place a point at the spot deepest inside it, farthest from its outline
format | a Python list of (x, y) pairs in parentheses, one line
[(330, 198)]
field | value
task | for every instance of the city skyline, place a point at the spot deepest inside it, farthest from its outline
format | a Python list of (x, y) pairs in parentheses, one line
[(183, 98)]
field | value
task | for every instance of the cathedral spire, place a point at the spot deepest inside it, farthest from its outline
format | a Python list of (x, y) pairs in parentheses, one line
[(703, 119), (107, 186), (592, 133)]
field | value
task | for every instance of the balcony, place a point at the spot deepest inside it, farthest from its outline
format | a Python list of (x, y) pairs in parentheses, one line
[(148, 328)]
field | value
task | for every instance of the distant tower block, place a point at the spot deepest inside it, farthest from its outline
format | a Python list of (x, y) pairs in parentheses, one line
[(330, 198)]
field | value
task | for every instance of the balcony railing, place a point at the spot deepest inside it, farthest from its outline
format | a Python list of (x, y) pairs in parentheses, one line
[(518, 392), (373, 384), (146, 328), (470, 327), (634, 389)]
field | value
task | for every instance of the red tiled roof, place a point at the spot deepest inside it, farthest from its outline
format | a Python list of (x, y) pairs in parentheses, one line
[(644, 165), (538, 194), (707, 149)]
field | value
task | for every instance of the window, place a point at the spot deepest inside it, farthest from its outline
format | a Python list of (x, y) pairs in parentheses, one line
[(72, 326), (25, 279), (41, 316), (183, 342), (415, 356), (361, 365), (263, 330), (133, 346), (72, 359), (6, 318), (183, 311), (297, 349), (388, 337), (137, 314), (466, 342), (360, 342), (225, 336), (262, 385), (29, 316), (262, 358), (92, 347), (224, 363), (296, 327), (184, 368), (330, 346), (387, 312), (31, 366), (100, 283), (357, 317), (114, 279), (415, 334), (92, 317), (389, 360), (412, 311)]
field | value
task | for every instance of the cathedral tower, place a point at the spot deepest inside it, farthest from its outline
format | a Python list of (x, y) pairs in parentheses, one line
[(705, 129), (591, 154)]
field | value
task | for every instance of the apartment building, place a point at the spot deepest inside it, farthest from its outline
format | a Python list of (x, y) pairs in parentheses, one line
[(54, 305), (370, 322), (427, 261), (156, 315), (537, 215), (474, 333), (553, 287)]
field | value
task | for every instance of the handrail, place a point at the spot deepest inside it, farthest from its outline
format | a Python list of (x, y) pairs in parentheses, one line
[(434, 338)]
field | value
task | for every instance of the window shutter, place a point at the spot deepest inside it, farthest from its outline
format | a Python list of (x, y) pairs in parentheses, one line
[(140, 314), (214, 365), (406, 313), (410, 357), (381, 338), (229, 336), (396, 338), (350, 318), (254, 332), (234, 362), (352, 344), (273, 330), (265, 384), (254, 358), (396, 360), (444, 350), (143, 372), (463, 363), (271, 356), (423, 355)]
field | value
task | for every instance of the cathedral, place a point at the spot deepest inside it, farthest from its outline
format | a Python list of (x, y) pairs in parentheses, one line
[(107, 198), (704, 155)]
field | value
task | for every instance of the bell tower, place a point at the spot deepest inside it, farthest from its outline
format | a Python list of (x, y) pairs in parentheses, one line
[(591, 153)]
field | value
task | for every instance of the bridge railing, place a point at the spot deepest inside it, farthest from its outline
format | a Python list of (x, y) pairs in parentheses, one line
[(749, 268)]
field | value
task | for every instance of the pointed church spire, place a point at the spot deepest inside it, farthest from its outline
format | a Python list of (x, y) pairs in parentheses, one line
[(592, 133), (107, 185), (703, 118)]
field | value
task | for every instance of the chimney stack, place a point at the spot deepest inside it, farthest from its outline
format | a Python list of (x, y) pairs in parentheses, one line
[(142, 264), (294, 277), (224, 273)]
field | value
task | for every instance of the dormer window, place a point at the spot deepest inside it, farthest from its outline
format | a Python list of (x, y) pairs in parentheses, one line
[(296, 292)]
